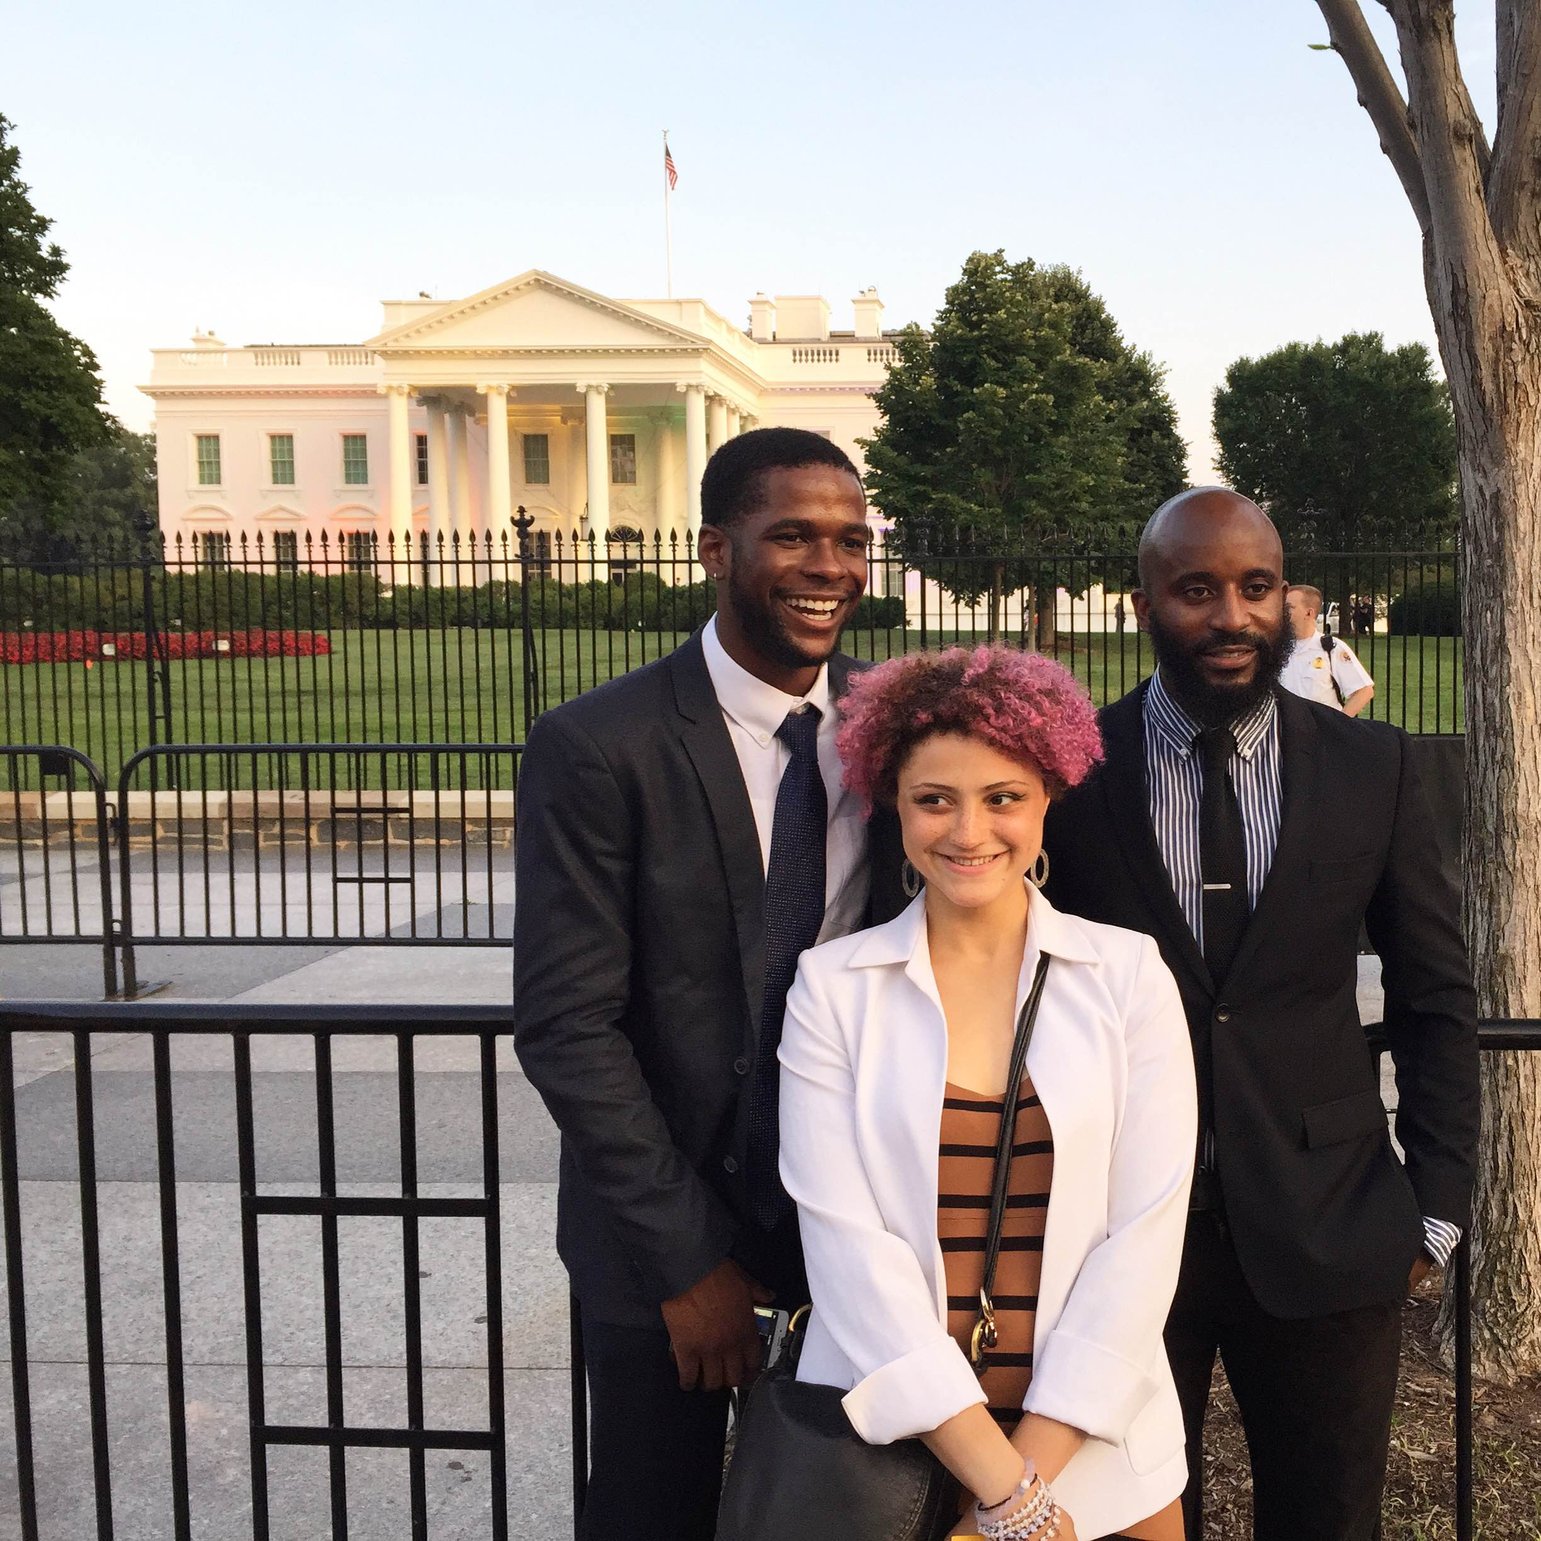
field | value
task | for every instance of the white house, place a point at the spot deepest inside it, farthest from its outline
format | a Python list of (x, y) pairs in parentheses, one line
[(594, 414)]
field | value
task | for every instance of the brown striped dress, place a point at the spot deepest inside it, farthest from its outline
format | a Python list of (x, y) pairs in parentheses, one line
[(970, 1126)]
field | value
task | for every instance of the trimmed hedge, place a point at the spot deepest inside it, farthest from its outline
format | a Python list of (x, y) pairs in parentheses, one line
[(231, 601), (1430, 606)]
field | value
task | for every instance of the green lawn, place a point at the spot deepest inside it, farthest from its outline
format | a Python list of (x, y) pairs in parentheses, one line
[(467, 685)]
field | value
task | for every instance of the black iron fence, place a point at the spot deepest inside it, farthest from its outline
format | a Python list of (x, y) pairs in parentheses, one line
[(292, 640), (328, 1201)]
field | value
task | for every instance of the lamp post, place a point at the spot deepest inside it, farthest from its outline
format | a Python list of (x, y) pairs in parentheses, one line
[(523, 524)]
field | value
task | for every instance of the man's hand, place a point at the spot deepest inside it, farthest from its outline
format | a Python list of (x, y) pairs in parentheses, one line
[(1421, 1270), (712, 1331)]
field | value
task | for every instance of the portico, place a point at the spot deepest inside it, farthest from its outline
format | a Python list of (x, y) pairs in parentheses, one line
[(622, 420)]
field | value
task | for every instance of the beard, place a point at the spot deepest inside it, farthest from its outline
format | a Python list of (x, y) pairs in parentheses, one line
[(1211, 705), (764, 630)]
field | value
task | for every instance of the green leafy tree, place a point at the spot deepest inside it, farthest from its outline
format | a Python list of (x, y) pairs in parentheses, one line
[(50, 392), (1344, 443), (106, 506), (1021, 423)]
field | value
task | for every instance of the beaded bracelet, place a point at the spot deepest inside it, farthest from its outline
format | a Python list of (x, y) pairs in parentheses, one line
[(1035, 1519)]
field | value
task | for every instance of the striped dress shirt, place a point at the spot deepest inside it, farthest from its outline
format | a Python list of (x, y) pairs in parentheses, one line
[(1175, 785), (1175, 777)]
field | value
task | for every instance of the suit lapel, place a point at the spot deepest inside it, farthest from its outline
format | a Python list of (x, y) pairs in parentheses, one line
[(705, 738), (1128, 801), (1297, 755)]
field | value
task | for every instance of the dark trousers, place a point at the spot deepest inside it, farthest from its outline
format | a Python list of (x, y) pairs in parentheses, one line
[(655, 1452), (1315, 1397)]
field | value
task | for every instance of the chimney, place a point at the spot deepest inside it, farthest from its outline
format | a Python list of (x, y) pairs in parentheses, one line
[(869, 314), (762, 318)]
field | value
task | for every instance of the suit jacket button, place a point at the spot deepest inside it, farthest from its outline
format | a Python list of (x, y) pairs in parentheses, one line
[(1223, 1014), (741, 1066), (729, 1165)]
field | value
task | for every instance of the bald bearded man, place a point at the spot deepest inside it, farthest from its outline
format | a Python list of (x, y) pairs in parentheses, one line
[(1250, 832)]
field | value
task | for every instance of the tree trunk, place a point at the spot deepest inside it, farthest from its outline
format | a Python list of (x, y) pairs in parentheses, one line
[(1045, 636), (997, 602), (1493, 363)]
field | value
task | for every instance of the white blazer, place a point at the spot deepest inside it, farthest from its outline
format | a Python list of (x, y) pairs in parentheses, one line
[(863, 1067)]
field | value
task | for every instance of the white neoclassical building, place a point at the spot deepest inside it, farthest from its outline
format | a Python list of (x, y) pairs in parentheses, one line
[(594, 414)]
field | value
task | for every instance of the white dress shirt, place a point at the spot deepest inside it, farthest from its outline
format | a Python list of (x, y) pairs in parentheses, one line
[(753, 711)]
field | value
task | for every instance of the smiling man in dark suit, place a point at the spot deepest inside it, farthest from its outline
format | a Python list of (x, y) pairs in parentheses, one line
[(682, 836), (1252, 832)]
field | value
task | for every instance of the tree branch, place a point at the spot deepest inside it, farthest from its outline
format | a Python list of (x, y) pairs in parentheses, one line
[(1448, 133), (1514, 179), (1379, 96)]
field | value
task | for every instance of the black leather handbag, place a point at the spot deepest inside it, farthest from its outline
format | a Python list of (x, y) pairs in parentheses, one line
[(800, 1472)]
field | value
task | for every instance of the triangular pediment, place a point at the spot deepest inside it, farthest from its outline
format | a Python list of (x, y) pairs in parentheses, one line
[(536, 310)]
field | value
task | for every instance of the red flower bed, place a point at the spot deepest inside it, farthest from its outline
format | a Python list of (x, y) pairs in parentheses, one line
[(110, 646)]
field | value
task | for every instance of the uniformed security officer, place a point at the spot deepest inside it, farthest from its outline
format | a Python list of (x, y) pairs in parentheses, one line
[(1322, 668)]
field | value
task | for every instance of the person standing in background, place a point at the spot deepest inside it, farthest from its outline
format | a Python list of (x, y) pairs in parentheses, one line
[(1319, 667)]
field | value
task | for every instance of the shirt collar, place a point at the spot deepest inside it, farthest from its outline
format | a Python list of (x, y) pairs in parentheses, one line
[(1179, 729), (904, 938), (759, 709)]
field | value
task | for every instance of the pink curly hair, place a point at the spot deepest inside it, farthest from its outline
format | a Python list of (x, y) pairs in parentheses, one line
[(1029, 708)]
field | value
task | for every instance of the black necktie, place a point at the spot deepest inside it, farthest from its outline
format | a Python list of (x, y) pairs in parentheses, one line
[(1222, 854), (794, 912)]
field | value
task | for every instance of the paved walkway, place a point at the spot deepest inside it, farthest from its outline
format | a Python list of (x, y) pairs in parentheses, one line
[(535, 1296)]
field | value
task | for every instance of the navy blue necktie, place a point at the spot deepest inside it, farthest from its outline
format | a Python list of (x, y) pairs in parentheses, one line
[(794, 911)]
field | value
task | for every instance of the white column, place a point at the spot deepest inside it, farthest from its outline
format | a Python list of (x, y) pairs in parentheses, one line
[(735, 422), (499, 499), (459, 475), (695, 453), (438, 489), (575, 468), (665, 511), (716, 423), (398, 518), (597, 456)]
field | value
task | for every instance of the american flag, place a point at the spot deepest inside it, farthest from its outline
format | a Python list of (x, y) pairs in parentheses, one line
[(668, 167)]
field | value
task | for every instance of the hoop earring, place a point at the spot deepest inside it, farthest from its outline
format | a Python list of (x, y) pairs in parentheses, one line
[(1038, 873), (909, 879)]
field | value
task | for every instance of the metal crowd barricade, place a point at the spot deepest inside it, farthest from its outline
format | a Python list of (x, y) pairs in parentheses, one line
[(332, 1207), (48, 838), (276, 844)]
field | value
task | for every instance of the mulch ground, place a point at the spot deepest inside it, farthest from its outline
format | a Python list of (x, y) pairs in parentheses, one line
[(1420, 1485)]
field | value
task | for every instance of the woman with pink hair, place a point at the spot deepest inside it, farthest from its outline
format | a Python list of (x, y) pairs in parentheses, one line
[(1036, 1378)]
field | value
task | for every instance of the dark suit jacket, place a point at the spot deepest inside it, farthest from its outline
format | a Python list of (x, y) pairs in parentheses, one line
[(639, 958), (1323, 1215)]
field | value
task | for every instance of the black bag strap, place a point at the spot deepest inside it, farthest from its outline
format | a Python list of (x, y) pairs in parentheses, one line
[(983, 1336), (1328, 643)]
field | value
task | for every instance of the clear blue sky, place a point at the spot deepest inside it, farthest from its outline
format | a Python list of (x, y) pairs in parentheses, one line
[(273, 172)]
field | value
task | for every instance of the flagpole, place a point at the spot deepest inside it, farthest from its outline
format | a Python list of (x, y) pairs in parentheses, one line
[(668, 231)]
